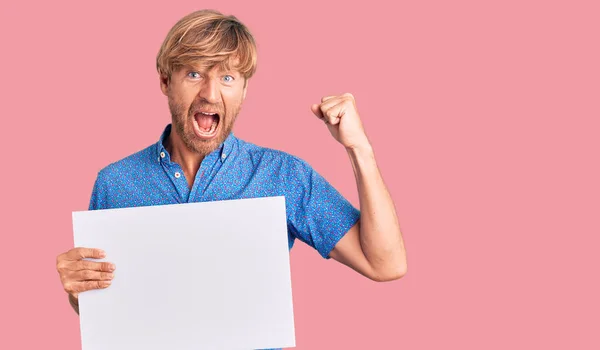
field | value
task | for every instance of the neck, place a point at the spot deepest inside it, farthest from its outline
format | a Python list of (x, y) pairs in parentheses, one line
[(188, 160)]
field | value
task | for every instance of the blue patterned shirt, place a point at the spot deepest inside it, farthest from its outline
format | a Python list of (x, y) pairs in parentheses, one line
[(317, 214)]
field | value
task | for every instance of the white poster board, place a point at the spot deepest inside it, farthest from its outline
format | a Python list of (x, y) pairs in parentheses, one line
[(211, 275)]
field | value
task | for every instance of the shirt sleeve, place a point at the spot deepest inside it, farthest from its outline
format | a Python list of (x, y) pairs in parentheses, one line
[(318, 214), (98, 199)]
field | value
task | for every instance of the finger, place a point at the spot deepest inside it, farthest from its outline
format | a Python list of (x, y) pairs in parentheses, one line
[(78, 287), (326, 103), (333, 114), (333, 109), (82, 253), (330, 103), (91, 275), (326, 98), (92, 265), (315, 108)]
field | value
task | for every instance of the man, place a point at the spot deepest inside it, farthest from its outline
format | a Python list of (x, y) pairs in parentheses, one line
[(204, 66)]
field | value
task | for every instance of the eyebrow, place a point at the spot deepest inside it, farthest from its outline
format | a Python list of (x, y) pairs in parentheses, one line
[(191, 68)]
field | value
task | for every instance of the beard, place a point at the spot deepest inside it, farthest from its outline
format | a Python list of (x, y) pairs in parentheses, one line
[(183, 123)]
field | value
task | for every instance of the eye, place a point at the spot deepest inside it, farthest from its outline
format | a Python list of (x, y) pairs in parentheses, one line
[(194, 75), (228, 80)]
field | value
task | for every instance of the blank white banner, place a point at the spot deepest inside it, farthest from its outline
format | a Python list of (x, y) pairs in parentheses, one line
[(212, 275)]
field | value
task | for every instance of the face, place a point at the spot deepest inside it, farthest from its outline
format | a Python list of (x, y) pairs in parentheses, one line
[(204, 105)]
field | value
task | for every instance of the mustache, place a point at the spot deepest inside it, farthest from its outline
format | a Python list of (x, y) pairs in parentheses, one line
[(206, 107)]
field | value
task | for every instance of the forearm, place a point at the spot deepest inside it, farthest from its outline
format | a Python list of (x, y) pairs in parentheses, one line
[(380, 236)]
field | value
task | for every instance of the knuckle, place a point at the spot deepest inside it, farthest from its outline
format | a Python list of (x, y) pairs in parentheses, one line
[(89, 285), (61, 266), (82, 253), (77, 265), (68, 287), (75, 253), (94, 266), (106, 266), (87, 274), (85, 265), (63, 277)]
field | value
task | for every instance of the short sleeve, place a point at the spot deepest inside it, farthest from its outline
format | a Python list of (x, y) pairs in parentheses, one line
[(99, 195), (318, 214)]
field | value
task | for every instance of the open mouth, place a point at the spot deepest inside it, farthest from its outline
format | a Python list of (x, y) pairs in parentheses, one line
[(205, 124)]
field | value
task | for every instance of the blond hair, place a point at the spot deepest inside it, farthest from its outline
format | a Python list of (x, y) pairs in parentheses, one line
[(208, 38)]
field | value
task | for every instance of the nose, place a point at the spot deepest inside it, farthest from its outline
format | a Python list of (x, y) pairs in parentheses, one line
[(210, 91)]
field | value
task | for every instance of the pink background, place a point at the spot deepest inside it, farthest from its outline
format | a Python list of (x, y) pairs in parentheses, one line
[(485, 122)]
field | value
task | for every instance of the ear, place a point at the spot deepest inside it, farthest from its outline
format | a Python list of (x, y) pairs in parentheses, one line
[(164, 84)]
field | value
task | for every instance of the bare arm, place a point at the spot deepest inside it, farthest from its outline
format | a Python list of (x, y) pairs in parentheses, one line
[(374, 246)]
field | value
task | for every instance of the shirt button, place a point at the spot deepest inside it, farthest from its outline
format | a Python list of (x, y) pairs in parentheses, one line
[(223, 156), (162, 154), (177, 175)]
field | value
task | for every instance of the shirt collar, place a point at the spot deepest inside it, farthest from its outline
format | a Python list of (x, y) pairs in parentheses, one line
[(222, 151)]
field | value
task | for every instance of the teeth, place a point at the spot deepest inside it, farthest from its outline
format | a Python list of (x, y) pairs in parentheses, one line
[(208, 113)]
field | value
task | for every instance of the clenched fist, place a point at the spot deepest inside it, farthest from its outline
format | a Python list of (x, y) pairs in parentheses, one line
[(78, 275), (341, 116)]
